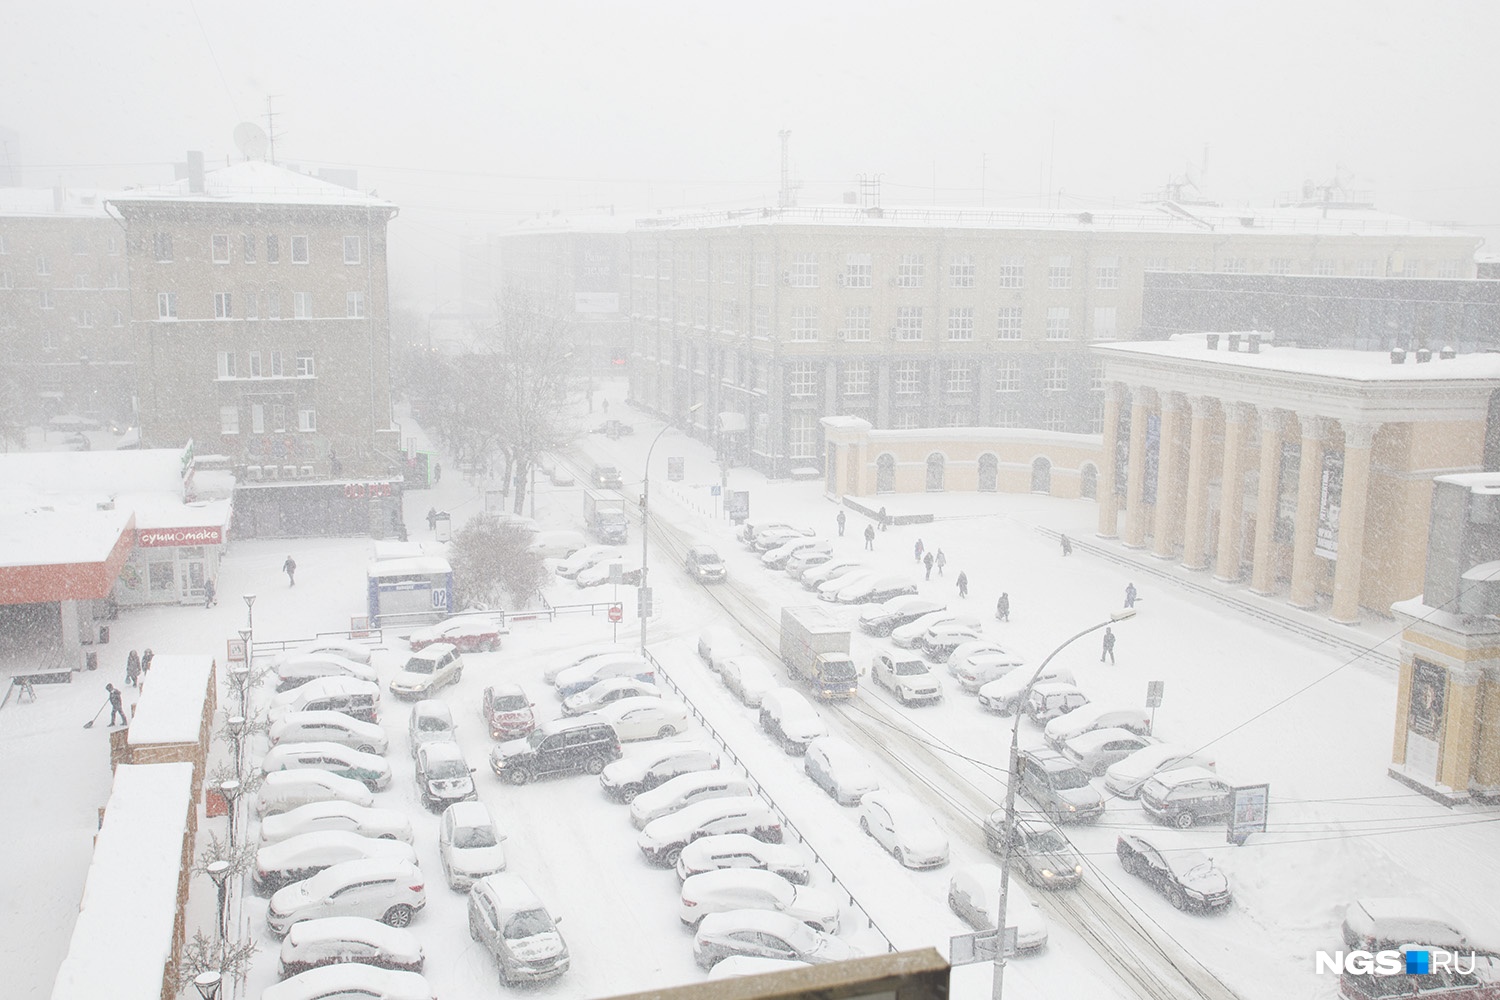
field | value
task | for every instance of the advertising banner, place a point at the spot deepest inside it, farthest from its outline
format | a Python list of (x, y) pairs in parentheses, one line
[(1249, 807), (1429, 689), (156, 538), (1330, 496)]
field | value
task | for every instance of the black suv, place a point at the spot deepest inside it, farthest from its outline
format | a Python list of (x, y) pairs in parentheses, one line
[(562, 746)]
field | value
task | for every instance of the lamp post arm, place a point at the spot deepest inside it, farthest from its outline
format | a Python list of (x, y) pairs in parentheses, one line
[(646, 530)]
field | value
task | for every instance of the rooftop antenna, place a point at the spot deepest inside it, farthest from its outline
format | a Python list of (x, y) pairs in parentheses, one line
[(251, 140), (271, 125), (785, 198)]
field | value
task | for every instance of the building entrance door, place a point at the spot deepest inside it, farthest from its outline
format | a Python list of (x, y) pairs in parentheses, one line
[(191, 577)]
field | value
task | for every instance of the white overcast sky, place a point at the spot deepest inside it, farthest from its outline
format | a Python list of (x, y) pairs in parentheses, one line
[(471, 115)]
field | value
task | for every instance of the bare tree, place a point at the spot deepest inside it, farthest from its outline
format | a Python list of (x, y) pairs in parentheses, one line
[(491, 562)]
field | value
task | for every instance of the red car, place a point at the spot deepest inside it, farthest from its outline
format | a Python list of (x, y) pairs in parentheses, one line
[(468, 634), (508, 712)]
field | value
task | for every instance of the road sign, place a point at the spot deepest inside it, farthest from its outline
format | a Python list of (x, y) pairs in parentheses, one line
[(674, 469), (979, 946), (1153, 693), (715, 490), (616, 574), (616, 612)]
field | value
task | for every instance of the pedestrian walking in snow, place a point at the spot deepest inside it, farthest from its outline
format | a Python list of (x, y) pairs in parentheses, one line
[(918, 549), (1130, 595), (437, 473), (146, 663), (841, 519), (116, 705), (431, 518), (928, 563), (1109, 646), (290, 569), (209, 597), (1067, 546), (963, 584), (869, 538), (885, 522), (941, 561), (606, 405), (132, 668), (1002, 608)]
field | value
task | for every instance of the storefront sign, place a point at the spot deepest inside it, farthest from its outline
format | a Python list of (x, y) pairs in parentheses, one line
[(372, 491), (154, 538)]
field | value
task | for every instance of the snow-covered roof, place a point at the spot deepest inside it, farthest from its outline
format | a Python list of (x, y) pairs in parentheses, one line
[(559, 222), (122, 940), (413, 566), (1484, 483), (255, 182), (82, 203), (157, 511), (170, 709), (85, 474), (1360, 366), (60, 537)]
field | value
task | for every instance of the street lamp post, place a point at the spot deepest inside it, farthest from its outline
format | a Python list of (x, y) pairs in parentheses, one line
[(230, 789), (235, 726), (646, 524), (208, 984), (250, 608), (1009, 826), (219, 872)]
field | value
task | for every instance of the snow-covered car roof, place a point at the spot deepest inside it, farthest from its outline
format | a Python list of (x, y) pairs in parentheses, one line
[(1095, 738), (351, 978)]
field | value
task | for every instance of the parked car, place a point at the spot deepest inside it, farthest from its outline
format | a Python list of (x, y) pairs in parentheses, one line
[(281, 791), (764, 934), (1097, 749), (748, 677), (351, 979), (1003, 695), (607, 477), (592, 671), (563, 746), (1053, 699), (974, 895), (602, 693), (510, 921), (1058, 787), (876, 589), (470, 844), (298, 670), (756, 889), (1039, 851), (443, 775), (355, 698), (556, 544), (736, 966), (589, 555), (645, 717), (328, 727), (1186, 796), (306, 854), (507, 711), (385, 824), (427, 670), (841, 770), (833, 569), (1189, 879), (602, 572), (904, 827), (467, 634), (754, 529), (431, 721), (704, 564), (586, 655), (324, 941), (775, 537), (1126, 777), (896, 612), (908, 678), (663, 839), (1376, 923), (624, 779), (778, 557), (373, 771), (829, 589), (806, 559), (359, 652), (790, 719), (980, 667), (740, 850), (686, 789), (560, 476), (907, 634), (388, 891), (942, 638), (717, 642)]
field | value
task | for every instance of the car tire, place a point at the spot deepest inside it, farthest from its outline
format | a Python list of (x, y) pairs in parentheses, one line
[(669, 859), (387, 836), (595, 765), (864, 826), (517, 775), (372, 786), (629, 792), (900, 856), (397, 916), (665, 732), (1176, 898), (366, 748), (457, 675), (1099, 769), (1183, 820)]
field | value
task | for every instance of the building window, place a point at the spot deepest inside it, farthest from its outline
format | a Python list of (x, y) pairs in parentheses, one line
[(226, 364), (1058, 322), (762, 269), (166, 305), (1279, 265), (222, 306), (221, 248), (114, 280), (908, 322), (1096, 419), (305, 366), (161, 246), (700, 265), (1009, 324), (804, 272), (856, 378), (257, 418), (961, 271), (1234, 265), (1056, 377), (1157, 264), (1104, 323), (44, 298), (960, 377), (42, 267), (1323, 268), (909, 272), (351, 249), (905, 420), (801, 436), (276, 370), (254, 358), (700, 311), (961, 323), (1096, 377), (80, 280), (802, 378), (229, 420), (1445, 269), (307, 420), (354, 305), (302, 305), (729, 269), (729, 315), (278, 417), (248, 243), (763, 322), (856, 324), (858, 271), (119, 317), (273, 305), (1107, 272), (85, 318), (1060, 272), (299, 250), (1364, 268), (251, 302), (1011, 272), (1052, 419), (49, 339), (907, 377), (805, 323), (273, 249), (4, 279), (4, 247), (1008, 375)]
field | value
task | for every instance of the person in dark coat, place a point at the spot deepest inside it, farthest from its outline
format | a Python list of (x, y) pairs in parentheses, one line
[(1002, 608), (116, 705), (963, 584), (437, 473), (928, 563), (869, 538), (132, 668), (841, 519), (431, 518), (290, 569), (1067, 546), (918, 548), (209, 596), (1109, 646), (941, 561), (1130, 595), (885, 522), (146, 663)]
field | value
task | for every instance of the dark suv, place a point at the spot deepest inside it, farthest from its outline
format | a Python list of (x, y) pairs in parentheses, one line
[(1045, 857), (704, 565), (1059, 787), (562, 746)]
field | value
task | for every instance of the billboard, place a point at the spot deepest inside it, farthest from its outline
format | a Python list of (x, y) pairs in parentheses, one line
[(596, 275), (1330, 496)]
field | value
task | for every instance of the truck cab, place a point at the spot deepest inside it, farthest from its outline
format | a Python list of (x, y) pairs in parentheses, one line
[(607, 477)]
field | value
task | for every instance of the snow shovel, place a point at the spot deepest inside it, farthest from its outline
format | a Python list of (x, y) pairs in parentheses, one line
[(90, 724)]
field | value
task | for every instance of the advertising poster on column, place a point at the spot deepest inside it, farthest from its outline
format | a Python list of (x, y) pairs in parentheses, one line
[(1429, 685), (1329, 498)]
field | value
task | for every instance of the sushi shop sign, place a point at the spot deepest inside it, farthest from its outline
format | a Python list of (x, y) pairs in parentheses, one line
[(157, 538)]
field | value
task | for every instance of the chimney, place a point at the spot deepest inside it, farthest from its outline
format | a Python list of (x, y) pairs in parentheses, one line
[(1398, 355), (195, 171), (1424, 355), (1234, 342), (1213, 341), (1447, 353), (1253, 345)]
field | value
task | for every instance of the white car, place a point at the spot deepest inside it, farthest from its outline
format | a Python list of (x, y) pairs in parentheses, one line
[(973, 647), (298, 670), (645, 717), (663, 839), (373, 771), (601, 693), (974, 895), (285, 790), (834, 568), (334, 940), (589, 555), (790, 719), (876, 589), (740, 850), (599, 574), (1097, 749), (685, 789), (1126, 777), (775, 537), (1096, 715), (351, 979), (978, 669), (896, 612), (426, 670), (942, 638), (579, 657), (716, 643), (829, 589), (591, 672), (749, 677), (355, 698), (388, 891), (359, 652), (470, 845), (907, 677), (905, 828), (624, 779), (431, 721), (383, 824), (840, 769), (906, 636), (778, 557), (750, 965), (765, 934), (755, 889), (1003, 695), (556, 544), (807, 559), (306, 854), (329, 727)]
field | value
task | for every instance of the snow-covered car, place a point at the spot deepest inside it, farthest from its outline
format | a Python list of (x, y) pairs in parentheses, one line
[(427, 670), (1096, 715), (968, 649), (586, 675), (556, 544), (507, 711), (355, 698), (1003, 694), (840, 769), (1186, 796), (748, 677), (388, 891), (470, 844), (664, 838), (909, 633), (589, 555), (600, 573), (1375, 923), (303, 856), (876, 589), (769, 539), (581, 656), (645, 717), (980, 667), (351, 979), (510, 921), (431, 721), (829, 589), (806, 559), (907, 677), (373, 771), (1052, 700), (814, 578), (896, 612), (704, 564), (628, 777), (346, 817), (942, 638), (443, 775), (764, 934), (778, 557), (601, 693), (750, 529), (359, 652), (1126, 777), (1039, 851), (560, 476), (281, 791), (716, 642), (298, 670), (1189, 879), (904, 827), (685, 789), (467, 634), (1097, 749), (974, 895), (790, 719), (740, 850), (328, 727), (756, 889), (313, 944), (750, 965)]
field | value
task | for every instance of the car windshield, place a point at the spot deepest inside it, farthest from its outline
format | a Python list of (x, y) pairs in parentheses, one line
[(444, 769), (906, 668), (474, 836), (508, 702), (1070, 778), (419, 666), (527, 923), (1049, 842), (708, 559), (433, 724)]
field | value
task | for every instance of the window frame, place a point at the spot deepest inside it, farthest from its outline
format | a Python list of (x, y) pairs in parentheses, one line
[(358, 250), (306, 245), (216, 241)]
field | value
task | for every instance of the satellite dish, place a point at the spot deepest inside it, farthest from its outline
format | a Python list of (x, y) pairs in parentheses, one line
[(251, 139)]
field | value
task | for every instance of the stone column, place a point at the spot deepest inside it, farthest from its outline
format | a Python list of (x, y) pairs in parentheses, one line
[(1231, 494), (1460, 717), (1262, 570), (1168, 501), (1109, 504), (1135, 490), (1309, 488), (1354, 500), (1195, 507)]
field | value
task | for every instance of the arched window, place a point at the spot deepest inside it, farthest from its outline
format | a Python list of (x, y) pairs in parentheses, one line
[(935, 473), (885, 474), (1041, 476), (1088, 482), (989, 473)]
